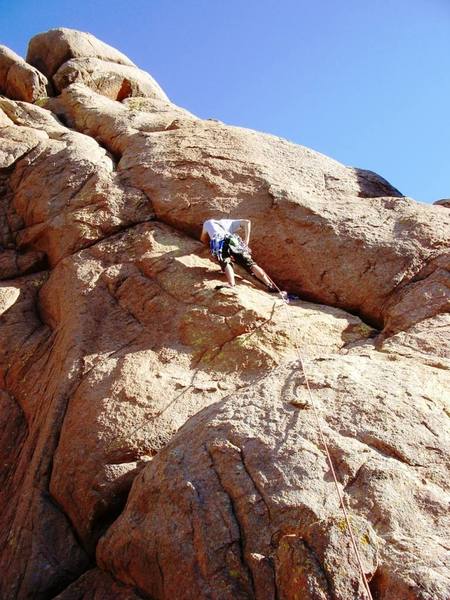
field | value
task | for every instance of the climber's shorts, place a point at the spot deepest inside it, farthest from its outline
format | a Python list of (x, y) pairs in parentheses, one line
[(229, 255)]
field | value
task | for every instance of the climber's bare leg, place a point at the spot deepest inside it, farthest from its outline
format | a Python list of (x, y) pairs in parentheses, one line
[(262, 275), (229, 274)]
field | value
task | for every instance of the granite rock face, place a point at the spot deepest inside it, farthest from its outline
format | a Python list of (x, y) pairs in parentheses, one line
[(66, 56), (328, 232), (444, 202), (19, 80), (246, 492), (107, 78), (123, 367), (49, 50)]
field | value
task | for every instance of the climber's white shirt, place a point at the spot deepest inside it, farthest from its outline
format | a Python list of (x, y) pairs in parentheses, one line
[(221, 226)]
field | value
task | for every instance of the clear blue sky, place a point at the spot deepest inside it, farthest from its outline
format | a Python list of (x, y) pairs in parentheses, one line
[(366, 82)]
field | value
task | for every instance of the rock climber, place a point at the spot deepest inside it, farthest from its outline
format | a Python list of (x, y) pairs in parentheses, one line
[(227, 247)]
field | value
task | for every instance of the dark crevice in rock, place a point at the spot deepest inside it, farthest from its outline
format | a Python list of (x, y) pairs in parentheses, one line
[(160, 571), (40, 265), (353, 479), (234, 514), (120, 229), (108, 514), (56, 589), (255, 485), (65, 578), (105, 517), (375, 585), (114, 155), (321, 569), (304, 296)]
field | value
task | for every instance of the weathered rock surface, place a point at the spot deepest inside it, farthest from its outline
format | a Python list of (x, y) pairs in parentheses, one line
[(49, 50), (175, 345), (19, 80), (63, 192), (97, 585), (67, 56), (39, 554), (343, 242), (248, 477), (113, 337), (428, 341), (131, 340), (107, 78), (444, 202)]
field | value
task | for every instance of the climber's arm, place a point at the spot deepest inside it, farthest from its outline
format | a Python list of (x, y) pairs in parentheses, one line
[(204, 236), (246, 225)]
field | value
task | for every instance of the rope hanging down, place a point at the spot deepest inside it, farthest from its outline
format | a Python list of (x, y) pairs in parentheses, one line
[(327, 452), (368, 593)]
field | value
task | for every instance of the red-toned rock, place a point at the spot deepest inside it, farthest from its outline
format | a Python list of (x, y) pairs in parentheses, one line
[(428, 341), (113, 336), (162, 345), (243, 496), (39, 553), (131, 339), (323, 230), (67, 56), (97, 585), (62, 186)]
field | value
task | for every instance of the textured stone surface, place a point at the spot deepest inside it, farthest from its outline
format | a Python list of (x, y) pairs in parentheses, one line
[(113, 337), (171, 346), (107, 78), (49, 50), (62, 188), (428, 341), (97, 585), (67, 56), (250, 470), (129, 340), (321, 229), (445, 202), (19, 80), (39, 553)]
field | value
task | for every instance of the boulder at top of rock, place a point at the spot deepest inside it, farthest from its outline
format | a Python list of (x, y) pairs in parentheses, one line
[(49, 50), (444, 202), (19, 80), (108, 78)]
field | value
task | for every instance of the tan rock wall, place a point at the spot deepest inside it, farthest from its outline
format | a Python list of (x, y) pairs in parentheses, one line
[(19, 80), (113, 337), (249, 475)]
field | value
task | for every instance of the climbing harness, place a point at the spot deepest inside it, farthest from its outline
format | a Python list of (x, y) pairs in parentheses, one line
[(216, 246), (285, 300), (220, 243)]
